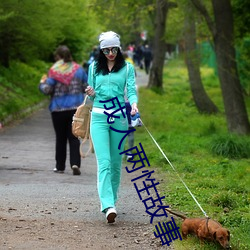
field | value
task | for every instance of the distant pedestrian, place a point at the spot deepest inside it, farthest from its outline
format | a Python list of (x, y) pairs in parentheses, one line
[(107, 80), (147, 54), (138, 56), (128, 59), (131, 137), (65, 84), (93, 55)]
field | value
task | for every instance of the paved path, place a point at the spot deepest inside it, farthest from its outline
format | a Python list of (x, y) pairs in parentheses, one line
[(31, 193), (141, 78), (26, 163)]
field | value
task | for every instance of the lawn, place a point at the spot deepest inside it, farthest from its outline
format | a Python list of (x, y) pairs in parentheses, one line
[(214, 164)]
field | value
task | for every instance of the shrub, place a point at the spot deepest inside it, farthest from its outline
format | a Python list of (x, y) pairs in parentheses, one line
[(224, 200), (231, 146)]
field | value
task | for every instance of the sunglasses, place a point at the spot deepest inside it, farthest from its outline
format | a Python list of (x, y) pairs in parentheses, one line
[(106, 51)]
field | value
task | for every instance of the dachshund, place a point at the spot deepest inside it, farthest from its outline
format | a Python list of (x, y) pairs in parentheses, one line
[(204, 229)]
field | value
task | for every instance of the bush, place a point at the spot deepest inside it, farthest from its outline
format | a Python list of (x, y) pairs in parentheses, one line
[(231, 146), (223, 200)]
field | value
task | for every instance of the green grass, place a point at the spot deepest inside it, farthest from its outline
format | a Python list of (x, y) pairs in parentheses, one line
[(19, 88), (214, 164)]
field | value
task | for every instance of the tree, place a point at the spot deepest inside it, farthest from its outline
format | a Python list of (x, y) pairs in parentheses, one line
[(23, 33), (201, 99), (128, 18), (223, 38), (159, 44), (28, 33)]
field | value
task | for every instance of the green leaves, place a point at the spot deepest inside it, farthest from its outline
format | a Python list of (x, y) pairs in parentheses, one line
[(30, 32)]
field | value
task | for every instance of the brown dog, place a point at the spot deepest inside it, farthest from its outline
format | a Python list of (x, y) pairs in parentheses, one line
[(204, 228)]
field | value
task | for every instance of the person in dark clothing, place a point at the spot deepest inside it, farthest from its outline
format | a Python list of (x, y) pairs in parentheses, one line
[(65, 83), (138, 54), (147, 54), (93, 55)]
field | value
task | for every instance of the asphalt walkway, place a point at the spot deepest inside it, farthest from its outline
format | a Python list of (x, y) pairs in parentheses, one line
[(30, 190)]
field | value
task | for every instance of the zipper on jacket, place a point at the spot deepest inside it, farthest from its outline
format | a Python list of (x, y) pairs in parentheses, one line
[(109, 83)]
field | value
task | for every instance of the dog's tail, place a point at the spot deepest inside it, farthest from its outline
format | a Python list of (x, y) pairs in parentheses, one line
[(176, 214)]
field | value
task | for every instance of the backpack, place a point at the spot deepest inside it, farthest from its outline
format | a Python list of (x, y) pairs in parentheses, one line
[(81, 126)]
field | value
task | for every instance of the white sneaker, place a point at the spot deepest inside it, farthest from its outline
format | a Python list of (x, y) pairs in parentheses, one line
[(111, 214), (58, 171)]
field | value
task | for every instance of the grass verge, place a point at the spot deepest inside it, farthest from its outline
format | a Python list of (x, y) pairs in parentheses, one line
[(19, 89), (214, 164)]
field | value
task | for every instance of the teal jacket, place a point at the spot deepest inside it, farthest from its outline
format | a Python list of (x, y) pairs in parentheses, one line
[(114, 84)]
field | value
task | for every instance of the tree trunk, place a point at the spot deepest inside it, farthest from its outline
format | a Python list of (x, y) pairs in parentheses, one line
[(233, 97), (159, 46), (201, 99), (223, 38)]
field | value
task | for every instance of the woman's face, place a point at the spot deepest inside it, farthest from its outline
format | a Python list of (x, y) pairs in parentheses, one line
[(110, 53)]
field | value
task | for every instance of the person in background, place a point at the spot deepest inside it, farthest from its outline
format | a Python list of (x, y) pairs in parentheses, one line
[(92, 57), (147, 54), (128, 110), (65, 83), (127, 58), (138, 52), (93, 54), (108, 77)]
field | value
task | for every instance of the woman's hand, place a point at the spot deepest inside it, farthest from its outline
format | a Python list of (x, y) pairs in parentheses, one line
[(134, 109), (90, 91)]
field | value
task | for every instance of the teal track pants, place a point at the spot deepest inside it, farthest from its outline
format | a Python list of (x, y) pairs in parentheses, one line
[(109, 161)]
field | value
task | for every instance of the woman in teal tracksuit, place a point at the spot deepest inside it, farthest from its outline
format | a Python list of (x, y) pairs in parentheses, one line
[(108, 78)]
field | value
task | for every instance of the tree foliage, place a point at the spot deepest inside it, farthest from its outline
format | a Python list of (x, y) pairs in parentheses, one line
[(28, 33), (33, 29), (242, 35), (241, 18), (126, 17)]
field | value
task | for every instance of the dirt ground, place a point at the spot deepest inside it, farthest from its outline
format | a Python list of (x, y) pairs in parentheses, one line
[(18, 233), (40, 209)]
